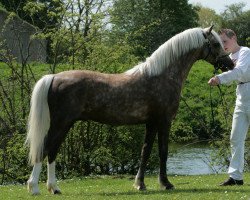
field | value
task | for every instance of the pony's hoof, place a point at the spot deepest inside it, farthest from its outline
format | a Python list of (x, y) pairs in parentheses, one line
[(53, 189), (35, 193), (168, 186), (140, 187), (57, 192), (33, 188)]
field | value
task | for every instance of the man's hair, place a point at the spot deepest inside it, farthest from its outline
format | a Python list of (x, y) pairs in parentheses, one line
[(228, 32)]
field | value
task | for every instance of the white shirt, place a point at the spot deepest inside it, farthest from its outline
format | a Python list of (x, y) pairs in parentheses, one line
[(240, 74)]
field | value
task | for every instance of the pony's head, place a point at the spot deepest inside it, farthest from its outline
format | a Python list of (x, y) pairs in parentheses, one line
[(214, 51)]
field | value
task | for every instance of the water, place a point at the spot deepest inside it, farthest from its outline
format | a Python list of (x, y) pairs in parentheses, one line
[(191, 160)]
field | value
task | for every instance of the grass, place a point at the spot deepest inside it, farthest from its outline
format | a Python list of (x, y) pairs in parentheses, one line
[(109, 187)]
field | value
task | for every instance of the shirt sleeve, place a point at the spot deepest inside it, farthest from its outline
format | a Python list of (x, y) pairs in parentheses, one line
[(239, 70)]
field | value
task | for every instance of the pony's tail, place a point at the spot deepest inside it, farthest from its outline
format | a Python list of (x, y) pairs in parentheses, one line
[(39, 119)]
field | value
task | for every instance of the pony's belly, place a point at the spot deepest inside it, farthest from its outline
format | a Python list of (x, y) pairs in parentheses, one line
[(120, 122), (120, 118)]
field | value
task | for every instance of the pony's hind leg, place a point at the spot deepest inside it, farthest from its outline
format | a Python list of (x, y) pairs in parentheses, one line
[(56, 136), (32, 183), (51, 182), (51, 164)]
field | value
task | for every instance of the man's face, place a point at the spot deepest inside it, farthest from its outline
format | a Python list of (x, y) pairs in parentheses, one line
[(228, 43)]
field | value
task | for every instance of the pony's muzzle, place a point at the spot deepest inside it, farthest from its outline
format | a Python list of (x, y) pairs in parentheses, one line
[(224, 63)]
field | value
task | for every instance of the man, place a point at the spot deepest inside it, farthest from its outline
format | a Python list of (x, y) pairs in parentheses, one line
[(241, 117)]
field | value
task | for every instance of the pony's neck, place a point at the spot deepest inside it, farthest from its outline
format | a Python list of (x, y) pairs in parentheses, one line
[(181, 67)]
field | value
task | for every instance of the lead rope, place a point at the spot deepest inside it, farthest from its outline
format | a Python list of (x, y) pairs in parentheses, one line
[(202, 121), (223, 102), (211, 102), (211, 107), (225, 105)]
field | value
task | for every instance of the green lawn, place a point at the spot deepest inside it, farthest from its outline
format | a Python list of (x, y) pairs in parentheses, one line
[(108, 187)]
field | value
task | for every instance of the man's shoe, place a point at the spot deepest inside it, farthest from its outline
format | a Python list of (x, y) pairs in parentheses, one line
[(232, 181)]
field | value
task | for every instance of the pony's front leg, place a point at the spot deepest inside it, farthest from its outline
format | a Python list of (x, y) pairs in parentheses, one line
[(32, 183), (146, 150), (163, 138), (51, 182)]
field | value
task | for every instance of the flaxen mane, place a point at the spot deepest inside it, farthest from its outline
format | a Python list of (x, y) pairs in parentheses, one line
[(170, 51)]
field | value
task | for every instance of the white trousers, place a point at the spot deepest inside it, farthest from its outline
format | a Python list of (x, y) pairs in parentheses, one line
[(240, 125)]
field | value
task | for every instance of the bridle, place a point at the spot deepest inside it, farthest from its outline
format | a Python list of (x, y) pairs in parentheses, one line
[(208, 44), (218, 63)]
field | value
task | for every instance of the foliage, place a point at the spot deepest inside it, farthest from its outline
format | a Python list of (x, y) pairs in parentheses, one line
[(15, 86), (182, 132), (203, 109), (236, 19), (148, 24), (94, 148), (208, 17), (233, 11), (42, 14), (14, 157)]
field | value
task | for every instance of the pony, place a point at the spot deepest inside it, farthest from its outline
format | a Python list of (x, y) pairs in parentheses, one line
[(148, 93)]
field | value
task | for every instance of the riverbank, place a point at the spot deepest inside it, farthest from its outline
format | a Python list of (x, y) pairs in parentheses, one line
[(194, 187)]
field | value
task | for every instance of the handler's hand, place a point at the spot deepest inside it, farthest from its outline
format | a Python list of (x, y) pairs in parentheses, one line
[(214, 81)]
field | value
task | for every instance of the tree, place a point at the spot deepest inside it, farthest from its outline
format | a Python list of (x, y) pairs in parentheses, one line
[(233, 11), (236, 19), (42, 13), (147, 24), (208, 17), (14, 5)]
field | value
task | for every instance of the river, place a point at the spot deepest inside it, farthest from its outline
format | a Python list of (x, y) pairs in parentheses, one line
[(191, 160)]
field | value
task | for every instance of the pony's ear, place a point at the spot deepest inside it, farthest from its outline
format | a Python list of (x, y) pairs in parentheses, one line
[(207, 31), (210, 29), (205, 35)]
